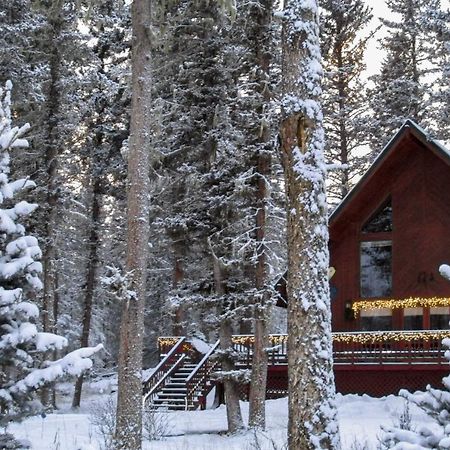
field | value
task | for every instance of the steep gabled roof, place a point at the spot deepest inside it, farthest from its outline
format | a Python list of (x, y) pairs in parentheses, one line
[(408, 127)]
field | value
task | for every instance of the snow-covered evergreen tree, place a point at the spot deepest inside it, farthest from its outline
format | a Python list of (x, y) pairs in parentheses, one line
[(403, 88), (344, 97), (436, 21), (436, 404), (20, 341)]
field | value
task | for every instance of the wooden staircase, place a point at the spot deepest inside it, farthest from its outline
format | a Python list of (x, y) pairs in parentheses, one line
[(173, 395), (182, 379)]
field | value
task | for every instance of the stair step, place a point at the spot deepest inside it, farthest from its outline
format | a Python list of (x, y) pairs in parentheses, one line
[(171, 395), (171, 387), (167, 402), (176, 407)]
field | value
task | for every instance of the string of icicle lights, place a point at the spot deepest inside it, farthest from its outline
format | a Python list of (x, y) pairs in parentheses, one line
[(373, 337), (410, 302), (368, 337)]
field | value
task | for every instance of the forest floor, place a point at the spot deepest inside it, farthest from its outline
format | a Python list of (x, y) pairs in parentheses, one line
[(360, 418)]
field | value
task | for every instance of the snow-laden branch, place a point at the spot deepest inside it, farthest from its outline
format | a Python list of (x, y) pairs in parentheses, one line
[(73, 364)]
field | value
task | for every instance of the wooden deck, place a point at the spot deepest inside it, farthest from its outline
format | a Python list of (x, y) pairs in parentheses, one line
[(374, 363)]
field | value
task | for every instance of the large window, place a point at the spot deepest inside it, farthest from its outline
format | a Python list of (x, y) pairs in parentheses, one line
[(376, 269)]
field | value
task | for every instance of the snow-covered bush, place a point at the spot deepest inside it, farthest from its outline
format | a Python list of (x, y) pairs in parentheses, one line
[(436, 404), (22, 345), (156, 424), (103, 416)]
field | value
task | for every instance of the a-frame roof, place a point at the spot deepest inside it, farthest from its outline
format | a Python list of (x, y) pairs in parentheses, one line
[(408, 128)]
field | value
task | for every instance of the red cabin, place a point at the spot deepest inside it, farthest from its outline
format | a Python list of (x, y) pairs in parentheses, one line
[(388, 238)]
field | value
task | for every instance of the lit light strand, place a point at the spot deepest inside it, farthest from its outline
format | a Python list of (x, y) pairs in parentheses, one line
[(365, 337), (411, 302), (373, 337), (167, 341)]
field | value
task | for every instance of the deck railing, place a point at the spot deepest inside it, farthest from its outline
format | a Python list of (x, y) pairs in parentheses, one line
[(197, 387), (390, 347), (365, 347)]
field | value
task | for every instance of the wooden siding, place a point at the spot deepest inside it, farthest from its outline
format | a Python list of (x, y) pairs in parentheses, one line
[(417, 179)]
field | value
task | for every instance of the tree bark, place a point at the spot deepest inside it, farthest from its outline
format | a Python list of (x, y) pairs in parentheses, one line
[(258, 382), (263, 51), (129, 403), (90, 282), (312, 412), (234, 415), (53, 103)]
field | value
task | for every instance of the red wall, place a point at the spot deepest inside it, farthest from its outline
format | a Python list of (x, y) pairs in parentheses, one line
[(377, 380), (418, 181)]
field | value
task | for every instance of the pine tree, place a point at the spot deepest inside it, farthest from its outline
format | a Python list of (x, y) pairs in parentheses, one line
[(344, 98), (436, 405), (20, 341), (312, 410), (435, 22), (402, 89), (106, 129)]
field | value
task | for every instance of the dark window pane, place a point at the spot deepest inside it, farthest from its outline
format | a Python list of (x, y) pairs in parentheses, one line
[(439, 318), (376, 262), (376, 320), (380, 221), (413, 319)]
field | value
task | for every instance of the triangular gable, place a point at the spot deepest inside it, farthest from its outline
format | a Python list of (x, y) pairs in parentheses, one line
[(408, 127)]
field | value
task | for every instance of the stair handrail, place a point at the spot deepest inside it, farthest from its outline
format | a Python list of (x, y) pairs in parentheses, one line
[(166, 375), (164, 367), (193, 376)]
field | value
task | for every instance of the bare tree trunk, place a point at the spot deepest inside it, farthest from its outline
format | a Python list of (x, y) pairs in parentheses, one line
[(312, 411), (129, 403), (178, 277), (53, 101), (258, 384), (234, 415), (343, 141), (263, 46), (90, 282)]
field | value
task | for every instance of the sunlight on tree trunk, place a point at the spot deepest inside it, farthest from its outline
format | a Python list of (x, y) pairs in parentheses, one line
[(129, 402)]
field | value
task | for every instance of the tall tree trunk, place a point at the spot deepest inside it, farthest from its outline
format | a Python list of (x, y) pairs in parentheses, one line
[(178, 276), (257, 416), (234, 415), (92, 265), (129, 403), (263, 51), (312, 412), (53, 102), (51, 165), (343, 117)]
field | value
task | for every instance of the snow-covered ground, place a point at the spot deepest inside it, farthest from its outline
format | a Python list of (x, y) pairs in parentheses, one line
[(360, 418)]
